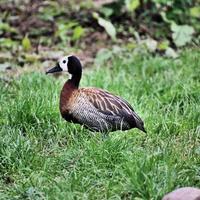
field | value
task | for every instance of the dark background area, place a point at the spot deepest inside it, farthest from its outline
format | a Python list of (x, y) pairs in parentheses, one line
[(31, 29)]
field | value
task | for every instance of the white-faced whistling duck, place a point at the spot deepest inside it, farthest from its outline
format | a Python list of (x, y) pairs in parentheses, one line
[(96, 109)]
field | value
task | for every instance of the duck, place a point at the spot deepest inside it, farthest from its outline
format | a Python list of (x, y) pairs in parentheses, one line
[(96, 109)]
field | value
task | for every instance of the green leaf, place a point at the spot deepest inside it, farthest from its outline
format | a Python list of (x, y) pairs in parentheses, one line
[(7, 43), (195, 11), (63, 29), (31, 58), (165, 19), (26, 43), (182, 34), (107, 25), (5, 27), (132, 4), (78, 33), (138, 198), (106, 11), (131, 45), (163, 45)]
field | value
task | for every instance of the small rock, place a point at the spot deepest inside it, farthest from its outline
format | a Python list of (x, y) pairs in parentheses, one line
[(4, 56), (185, 193), (5, 66), (151, 44), (171, 53)]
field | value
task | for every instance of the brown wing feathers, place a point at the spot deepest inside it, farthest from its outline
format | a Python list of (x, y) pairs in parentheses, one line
[(110, 104)]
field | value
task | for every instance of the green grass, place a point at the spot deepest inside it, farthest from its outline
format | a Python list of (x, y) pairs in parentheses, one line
[(44, 157)]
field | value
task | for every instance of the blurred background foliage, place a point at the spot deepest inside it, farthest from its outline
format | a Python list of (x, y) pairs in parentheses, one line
[(33, 30)]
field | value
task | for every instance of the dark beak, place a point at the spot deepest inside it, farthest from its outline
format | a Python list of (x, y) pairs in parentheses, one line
[(57, 68)]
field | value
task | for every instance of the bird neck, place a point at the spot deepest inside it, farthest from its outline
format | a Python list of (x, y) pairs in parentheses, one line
[(75, 80)]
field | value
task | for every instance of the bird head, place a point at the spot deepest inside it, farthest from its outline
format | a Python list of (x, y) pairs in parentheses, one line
[(70, 64)]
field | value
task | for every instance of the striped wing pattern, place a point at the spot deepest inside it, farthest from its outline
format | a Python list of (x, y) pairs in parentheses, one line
[(111, 105)]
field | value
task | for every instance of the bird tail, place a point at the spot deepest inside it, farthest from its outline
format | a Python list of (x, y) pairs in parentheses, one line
[(141, 127), (139, 123)]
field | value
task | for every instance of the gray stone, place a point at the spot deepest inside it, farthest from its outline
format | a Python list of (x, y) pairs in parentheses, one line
[(185, 193)]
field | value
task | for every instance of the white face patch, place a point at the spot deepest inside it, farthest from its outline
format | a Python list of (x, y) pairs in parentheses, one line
[(63, 63)]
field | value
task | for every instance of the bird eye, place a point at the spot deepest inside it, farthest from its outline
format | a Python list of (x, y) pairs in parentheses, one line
[(64, 61)]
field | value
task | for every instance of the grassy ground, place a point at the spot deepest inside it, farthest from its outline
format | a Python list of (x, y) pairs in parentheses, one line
[(43, 157)]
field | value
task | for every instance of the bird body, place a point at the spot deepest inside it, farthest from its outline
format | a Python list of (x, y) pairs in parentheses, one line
[(96, 109)]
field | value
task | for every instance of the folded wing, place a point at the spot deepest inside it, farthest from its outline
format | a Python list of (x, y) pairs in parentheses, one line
[(112, 105)]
